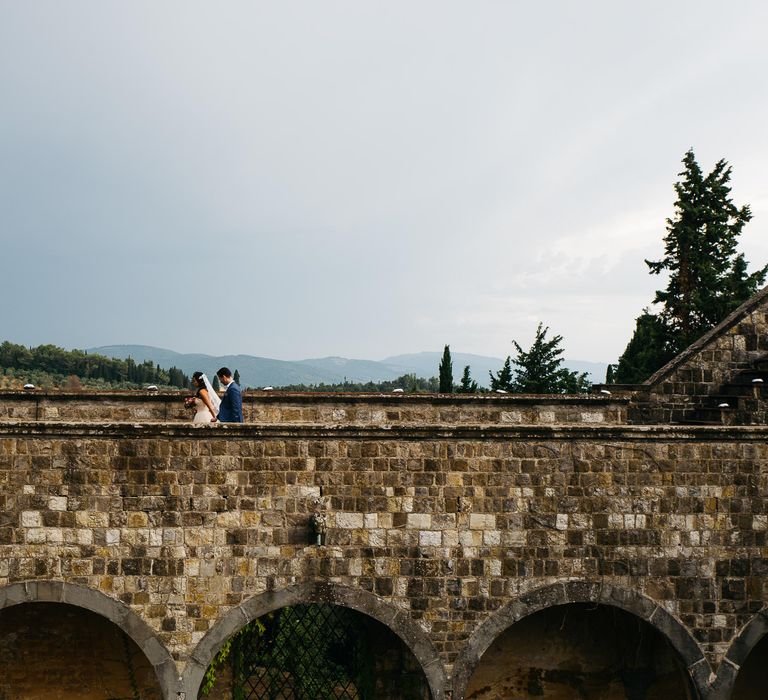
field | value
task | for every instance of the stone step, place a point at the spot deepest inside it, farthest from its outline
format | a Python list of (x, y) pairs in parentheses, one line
[(696, 421), (735, 390), (714, 415), (714, 401), (708, 415), (747, 375)]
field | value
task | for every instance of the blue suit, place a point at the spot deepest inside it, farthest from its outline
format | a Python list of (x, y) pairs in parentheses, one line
[(231, 409)]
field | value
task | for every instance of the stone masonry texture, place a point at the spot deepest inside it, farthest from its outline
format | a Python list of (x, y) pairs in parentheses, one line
[(448, 519), (445, 527), (324, 409)]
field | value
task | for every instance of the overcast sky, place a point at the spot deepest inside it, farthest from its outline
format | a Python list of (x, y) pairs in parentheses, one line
[(301, 179)]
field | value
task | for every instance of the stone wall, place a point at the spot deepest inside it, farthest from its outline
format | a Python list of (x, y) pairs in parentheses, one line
[(325, 409), (448, 535), (678, 388)]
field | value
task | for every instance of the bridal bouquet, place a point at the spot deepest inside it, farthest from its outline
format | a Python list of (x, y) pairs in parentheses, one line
[(189, 402)]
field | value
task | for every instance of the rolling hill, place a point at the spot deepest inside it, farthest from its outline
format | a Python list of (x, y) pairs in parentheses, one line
[(263, 371)]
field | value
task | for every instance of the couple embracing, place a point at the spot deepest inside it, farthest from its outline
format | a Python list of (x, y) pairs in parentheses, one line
[(209, 407)]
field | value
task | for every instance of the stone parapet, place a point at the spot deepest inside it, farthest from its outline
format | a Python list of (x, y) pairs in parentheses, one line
[(332, 409)]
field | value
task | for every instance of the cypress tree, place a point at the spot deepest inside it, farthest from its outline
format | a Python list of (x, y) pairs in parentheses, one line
[(177, 378), (648, 349), (446, 372), (236, 377), (468, 385), (216, 384)]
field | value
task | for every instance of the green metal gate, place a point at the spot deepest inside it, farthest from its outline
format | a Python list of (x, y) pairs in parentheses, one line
[(303, 652)]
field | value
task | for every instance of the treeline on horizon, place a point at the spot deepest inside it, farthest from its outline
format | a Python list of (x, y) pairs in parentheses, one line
[(52, 366), (406, 382), (538, 370)]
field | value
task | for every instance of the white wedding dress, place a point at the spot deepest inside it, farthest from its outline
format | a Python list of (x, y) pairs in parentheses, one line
[(202, 415)]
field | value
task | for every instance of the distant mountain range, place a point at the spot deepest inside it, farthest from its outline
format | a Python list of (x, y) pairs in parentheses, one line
[(264, 371)]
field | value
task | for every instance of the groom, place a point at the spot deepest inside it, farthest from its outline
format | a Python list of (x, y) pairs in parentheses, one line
[(231, 409)]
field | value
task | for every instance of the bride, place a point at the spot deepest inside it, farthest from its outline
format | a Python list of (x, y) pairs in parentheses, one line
[(207, 401)]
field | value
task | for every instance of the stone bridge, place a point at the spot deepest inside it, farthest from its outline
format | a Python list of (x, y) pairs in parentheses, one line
[(503, 546)]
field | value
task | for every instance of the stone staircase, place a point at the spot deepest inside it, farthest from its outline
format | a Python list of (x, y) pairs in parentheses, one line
[(741, 401)]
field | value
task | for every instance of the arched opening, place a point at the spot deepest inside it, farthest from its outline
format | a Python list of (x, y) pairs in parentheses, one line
[(752, 679), (56, 651), (580, 650), (393, 628), (315, 650)]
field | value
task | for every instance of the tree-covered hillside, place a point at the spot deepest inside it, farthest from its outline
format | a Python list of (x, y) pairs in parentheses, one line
[(50, 366)]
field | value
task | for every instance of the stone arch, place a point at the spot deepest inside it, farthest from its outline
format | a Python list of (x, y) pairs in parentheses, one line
[(741, 646), (581, 592), (398, 621), (113, 610)]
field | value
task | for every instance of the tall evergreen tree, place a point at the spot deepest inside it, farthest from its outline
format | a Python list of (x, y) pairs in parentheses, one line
[(180, 379), (503, 378), (648, 349), (708, 278), (468, 385), (236, 377), (216, 384), (540, 371), (446, 372)]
